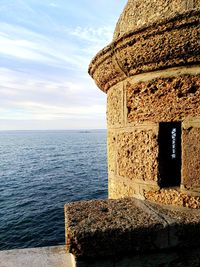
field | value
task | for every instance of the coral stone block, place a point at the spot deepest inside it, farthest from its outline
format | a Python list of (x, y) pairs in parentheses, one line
[(191, 158), (115, 106), (137, 155)]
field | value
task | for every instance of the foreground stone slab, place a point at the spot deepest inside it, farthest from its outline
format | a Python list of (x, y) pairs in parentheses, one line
[(37, 257), (115, 230)]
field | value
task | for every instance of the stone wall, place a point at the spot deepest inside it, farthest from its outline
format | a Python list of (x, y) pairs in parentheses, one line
[(135, 107), (191, 155), (151, 75)]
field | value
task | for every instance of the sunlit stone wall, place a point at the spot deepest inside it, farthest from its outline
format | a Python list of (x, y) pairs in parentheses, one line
[(151, 75)]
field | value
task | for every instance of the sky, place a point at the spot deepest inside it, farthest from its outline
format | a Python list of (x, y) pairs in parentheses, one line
[(45, 49)]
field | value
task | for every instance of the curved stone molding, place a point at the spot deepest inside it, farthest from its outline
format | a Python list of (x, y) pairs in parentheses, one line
[(164, 44)]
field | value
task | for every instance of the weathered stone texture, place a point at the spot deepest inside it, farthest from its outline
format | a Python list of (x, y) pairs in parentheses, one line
[(184, 224), (157, 51), (164, 99), (107, 228), (108, 71), (151, 74), (164, 45), (111, 151), (173, 197), (115, 106), (191, 158), (138, 13), (126, 227), (137, 155), (120, 187), (191, 122)]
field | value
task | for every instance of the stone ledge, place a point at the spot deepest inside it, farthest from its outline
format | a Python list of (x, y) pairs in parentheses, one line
[(108, 228), (37, 257)]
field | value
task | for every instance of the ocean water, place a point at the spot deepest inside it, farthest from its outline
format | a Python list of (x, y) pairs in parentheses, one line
[(40, 171)]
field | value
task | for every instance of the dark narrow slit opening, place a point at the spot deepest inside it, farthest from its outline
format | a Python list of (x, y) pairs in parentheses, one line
[(169, 154)]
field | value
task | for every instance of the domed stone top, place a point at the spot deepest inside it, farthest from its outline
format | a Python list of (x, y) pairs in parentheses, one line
[(138, 13), (150, 35)]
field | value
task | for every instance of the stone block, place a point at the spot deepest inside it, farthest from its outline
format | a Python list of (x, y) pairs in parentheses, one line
[(120, 187), (172, 196), (184, 225), (163, 99), (115, 106), (111, 151), (114, 230), (106, 229), (191, 158), (137, 154)]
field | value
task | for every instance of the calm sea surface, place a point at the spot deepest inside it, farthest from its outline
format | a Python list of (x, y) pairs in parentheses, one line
[(39, 172)]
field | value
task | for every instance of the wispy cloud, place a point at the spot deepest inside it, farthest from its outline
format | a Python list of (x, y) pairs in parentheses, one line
[(26, 98), (93, 34), (45, 49)]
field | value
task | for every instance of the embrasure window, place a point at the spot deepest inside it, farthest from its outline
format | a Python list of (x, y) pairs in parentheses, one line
[(170, 154)]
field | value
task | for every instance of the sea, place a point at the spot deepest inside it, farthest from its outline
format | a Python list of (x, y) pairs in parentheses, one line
[(40, 171)]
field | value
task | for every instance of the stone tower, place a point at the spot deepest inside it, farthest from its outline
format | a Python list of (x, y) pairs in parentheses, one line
[(151, 75)]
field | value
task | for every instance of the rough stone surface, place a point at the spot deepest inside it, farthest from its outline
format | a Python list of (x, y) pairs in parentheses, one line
[(162, 45), (191, 157), (173, 197), (151, 74), (184, 224), (108, 69), (119, 187), (137, 155), (115, 106), (138, 13), (107, 228), (111, 151), (161, 48), (112, 228), (164, 99)]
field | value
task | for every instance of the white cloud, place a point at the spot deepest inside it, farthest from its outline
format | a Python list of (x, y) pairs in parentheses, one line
[(20, 48), (45, 52), (26, 98), (37, 111), (93, 34), (19, 42), (25, 44)]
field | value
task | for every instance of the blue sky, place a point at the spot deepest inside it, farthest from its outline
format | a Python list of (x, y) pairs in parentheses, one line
[(45, 49)]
